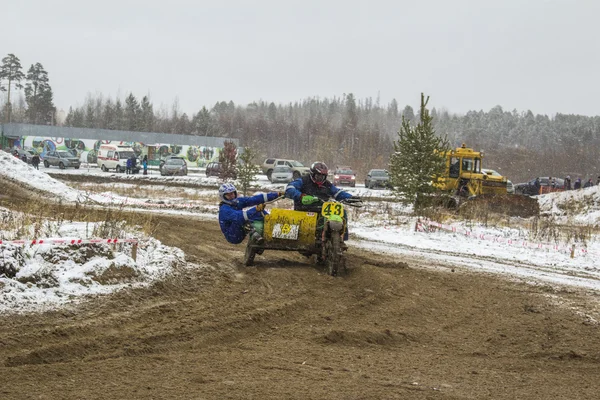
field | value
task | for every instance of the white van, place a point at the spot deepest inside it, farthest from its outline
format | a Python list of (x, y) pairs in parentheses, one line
[(113, 156)]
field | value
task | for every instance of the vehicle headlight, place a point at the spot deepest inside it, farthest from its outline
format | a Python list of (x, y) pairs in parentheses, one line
[(353, 177), (336, 176)]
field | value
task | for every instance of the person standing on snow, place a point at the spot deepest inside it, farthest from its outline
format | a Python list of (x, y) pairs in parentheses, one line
[(568, 183), (35, 161), (577, 184), (588, 184), (145, 164), (236, 219)]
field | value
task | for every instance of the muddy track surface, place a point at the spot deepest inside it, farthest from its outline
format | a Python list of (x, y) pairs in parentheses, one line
[(392, 328)]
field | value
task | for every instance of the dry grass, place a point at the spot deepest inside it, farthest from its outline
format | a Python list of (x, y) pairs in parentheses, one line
[(146, 192)]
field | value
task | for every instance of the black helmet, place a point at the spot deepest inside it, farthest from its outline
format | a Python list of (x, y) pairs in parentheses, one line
[(318, 172)]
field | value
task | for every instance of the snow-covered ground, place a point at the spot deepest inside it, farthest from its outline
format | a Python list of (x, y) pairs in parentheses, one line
[(382, 226)]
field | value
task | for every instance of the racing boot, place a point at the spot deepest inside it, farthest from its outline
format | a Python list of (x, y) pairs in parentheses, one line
[(257, 238)]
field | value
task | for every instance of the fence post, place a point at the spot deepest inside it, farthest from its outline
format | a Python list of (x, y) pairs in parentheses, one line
[(573, 251), (134, 251)]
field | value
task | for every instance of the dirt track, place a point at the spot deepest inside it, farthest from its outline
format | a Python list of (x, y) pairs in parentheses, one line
[(283, 330)]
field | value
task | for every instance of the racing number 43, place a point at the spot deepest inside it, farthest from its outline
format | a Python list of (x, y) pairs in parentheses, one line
[(331, 208)]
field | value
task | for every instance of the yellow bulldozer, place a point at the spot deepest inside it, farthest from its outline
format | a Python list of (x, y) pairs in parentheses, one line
[(465, 180), (464, 176)]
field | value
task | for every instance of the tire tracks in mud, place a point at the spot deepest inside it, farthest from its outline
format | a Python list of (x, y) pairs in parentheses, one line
[(283, 329)]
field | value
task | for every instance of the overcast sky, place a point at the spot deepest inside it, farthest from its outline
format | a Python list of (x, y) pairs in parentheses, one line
[(466, 54)]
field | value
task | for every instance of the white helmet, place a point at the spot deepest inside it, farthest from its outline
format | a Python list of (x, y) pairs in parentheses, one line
[(227, 188)]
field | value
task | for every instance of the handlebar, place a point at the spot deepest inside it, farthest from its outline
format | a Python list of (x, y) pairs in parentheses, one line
[(357, 203)]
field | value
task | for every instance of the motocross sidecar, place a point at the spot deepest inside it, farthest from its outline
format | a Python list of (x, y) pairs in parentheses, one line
[(306, 232)]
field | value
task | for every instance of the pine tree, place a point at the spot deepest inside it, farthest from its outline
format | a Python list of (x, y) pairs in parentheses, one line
[(247, 168), (133, 113), (11, 73), (147, 115), (38, 94), (119, 119), (418, 159)]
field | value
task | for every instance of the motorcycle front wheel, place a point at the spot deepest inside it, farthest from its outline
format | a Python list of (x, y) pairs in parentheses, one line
[(334, 255)]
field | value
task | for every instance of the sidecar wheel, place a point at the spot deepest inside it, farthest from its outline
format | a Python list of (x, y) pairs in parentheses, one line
[(249, 256)]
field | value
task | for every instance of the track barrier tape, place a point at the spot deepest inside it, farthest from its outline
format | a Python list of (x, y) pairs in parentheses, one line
[(33, 242)]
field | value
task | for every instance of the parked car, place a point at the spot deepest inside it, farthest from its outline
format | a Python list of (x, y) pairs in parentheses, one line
[(28, 153), (510, 188), (282, 174), (377, 178), (61, 159), (344, 176), (214, 169), (174, 166), (547, 185), (298, 169)]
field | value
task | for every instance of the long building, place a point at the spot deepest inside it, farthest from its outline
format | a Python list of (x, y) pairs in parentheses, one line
[(85, 142)]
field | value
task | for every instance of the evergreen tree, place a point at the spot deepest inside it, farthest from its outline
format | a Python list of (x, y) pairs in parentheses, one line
[(38, 94), (133, 113), (203, 123), (147, 115), (90, 118), (418, 159), (408, 114), (119, 120), (11, 73), (108, 115), (69, 118), (247, 168)]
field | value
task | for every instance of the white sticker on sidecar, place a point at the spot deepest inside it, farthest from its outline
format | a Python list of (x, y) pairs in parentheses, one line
[(285, 231)]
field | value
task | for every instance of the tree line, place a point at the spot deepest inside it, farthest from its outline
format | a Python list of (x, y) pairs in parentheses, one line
[(339, 131), (38, 106)]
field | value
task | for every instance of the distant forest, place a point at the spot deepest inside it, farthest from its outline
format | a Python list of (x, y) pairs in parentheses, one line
[(359, 133), (338, 131)]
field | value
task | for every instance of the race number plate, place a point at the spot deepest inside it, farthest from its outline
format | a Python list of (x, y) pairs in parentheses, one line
[(332, 208), (285, 231)]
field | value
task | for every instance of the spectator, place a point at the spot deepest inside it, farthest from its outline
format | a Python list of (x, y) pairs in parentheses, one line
[(145, 164), (538, 186), (24, 158), (568, 183), (134, 168), (16, 153), (588, 184), (128, 167), (598, 181), (553, 184), (35, 161), (577, 184)]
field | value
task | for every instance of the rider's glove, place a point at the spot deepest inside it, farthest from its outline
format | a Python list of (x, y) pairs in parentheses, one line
[(353, 200), (260, 207), (280, 194), (308, 199)]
